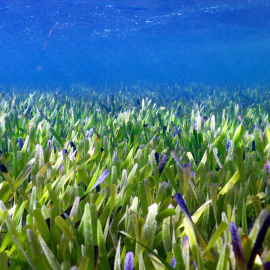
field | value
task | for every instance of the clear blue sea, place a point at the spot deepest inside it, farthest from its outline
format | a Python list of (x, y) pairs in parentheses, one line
[(87, 42)]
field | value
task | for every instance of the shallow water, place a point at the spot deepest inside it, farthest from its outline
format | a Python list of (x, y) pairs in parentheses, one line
[(61, 43)]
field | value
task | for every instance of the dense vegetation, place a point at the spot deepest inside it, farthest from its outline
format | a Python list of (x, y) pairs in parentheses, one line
[(166, 179)]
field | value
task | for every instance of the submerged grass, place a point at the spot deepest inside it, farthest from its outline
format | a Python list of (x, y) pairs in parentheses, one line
[(102, 182)]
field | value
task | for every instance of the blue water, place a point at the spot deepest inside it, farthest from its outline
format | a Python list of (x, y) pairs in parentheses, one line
[(61, 43)]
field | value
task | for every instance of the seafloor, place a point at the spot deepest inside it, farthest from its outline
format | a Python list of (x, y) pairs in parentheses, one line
[(141, 176)]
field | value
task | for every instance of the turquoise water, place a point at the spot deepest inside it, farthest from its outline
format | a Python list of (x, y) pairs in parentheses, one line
[(61, 43)]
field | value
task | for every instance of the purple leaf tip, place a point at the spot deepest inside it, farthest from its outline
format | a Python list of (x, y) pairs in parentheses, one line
[(129, 261)]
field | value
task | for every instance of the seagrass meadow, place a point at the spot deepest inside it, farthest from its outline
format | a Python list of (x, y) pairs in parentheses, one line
[(177, 178)]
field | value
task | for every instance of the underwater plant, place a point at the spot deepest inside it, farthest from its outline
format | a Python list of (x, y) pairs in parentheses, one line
[(112, 182)]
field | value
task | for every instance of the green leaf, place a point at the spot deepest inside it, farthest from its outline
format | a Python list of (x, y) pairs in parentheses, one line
[(56, 137), (41, 224), (233, 180), (64, 227), (222, 261), (3, 260), (102, 252), (88, 237), (49, 255), (221, 228), (194, 246), (166, 235), (117, 258), (164, 214), (150, 225)]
